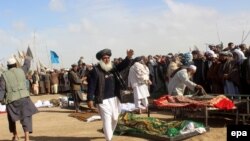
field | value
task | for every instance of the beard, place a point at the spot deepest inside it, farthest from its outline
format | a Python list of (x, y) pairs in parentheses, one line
[(106, 67)]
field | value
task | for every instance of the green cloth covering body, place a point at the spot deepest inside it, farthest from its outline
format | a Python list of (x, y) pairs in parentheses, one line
[(130, 123)]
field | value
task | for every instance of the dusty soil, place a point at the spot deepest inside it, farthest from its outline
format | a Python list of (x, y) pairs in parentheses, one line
[(54, 124)]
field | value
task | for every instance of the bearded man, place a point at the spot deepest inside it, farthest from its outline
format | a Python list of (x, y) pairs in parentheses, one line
[(181, 79), (229, 73), (104, 86)]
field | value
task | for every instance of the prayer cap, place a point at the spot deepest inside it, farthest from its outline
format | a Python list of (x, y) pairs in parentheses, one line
[(11, 61), (193, 67)]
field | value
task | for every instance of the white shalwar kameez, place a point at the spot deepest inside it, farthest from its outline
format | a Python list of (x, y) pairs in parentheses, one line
[(137, 79), (179, 82), (109, 111)]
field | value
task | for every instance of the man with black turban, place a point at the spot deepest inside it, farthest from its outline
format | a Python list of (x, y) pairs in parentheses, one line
[(104, 87)]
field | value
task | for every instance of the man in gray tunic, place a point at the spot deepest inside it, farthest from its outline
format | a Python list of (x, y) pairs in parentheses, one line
[(16, 96)]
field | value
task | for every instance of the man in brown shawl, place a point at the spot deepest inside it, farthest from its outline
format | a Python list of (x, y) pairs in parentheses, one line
[(229, 73)]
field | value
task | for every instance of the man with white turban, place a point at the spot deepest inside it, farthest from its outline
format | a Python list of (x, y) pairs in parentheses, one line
[(181, 79)]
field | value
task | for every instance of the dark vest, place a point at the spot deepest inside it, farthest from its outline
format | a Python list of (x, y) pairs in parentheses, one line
[(104, 90)]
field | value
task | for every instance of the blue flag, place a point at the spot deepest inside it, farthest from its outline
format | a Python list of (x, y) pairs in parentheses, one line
[(54, 57)]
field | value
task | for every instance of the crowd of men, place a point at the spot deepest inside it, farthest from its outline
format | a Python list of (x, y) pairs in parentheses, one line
[(217, 71)]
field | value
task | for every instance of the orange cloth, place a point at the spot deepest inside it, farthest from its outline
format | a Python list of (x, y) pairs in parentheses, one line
[(220, 102)]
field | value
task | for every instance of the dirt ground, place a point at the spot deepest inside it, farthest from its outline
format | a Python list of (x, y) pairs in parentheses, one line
[(54, 124)]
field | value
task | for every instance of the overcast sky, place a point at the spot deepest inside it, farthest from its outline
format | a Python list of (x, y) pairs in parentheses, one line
[(74, 28)]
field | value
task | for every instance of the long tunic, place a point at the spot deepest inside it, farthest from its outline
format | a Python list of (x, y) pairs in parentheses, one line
[(179, 82), (233, 82), (138, 75), (23, 107), (213, 77)]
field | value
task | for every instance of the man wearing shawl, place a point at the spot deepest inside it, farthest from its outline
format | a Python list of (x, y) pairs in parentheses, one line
[(213, 76), (138, 80), (181, 80), (104, 85), (239, 58), (200, 77), (229, 73)]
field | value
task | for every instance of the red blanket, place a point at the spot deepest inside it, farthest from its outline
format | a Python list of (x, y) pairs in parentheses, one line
[(167, 101)]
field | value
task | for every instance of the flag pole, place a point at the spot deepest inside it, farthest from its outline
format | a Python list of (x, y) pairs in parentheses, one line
[(218, 34), (60, 58), (246, 36), (35, 53), (49, 60)]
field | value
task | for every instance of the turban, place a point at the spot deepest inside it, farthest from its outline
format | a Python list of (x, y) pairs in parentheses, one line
[(73, 65), (138, 59), (187, 58), (103, 52), (209, 52)]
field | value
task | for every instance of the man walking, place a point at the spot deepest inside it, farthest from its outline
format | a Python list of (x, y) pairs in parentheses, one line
[(104, 84), (17, 97)]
